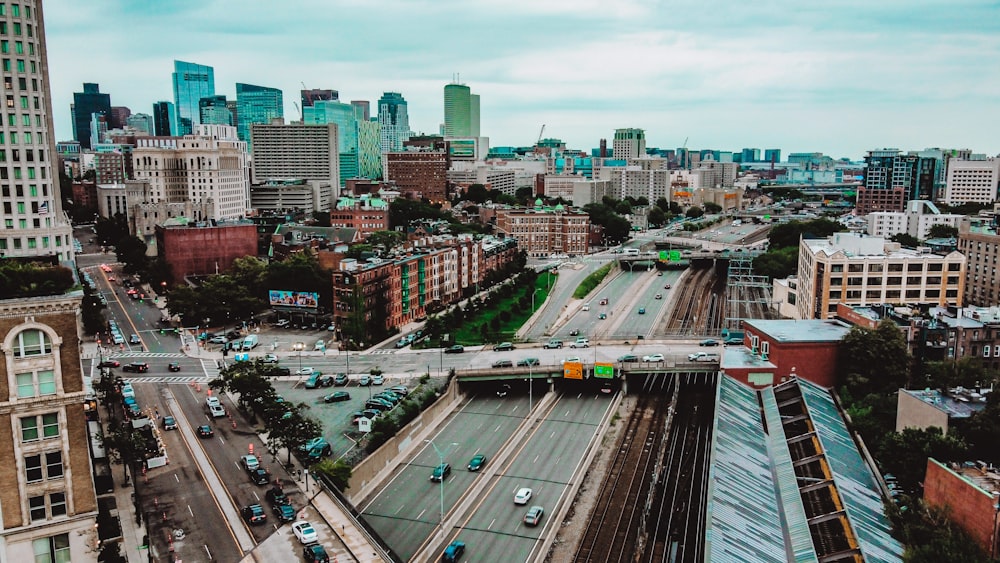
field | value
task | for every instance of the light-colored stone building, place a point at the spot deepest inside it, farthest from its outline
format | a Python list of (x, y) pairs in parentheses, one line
[(541, 231), (916, 221), (972, 181)]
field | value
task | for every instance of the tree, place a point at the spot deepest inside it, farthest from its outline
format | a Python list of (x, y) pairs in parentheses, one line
[(322, 218), (656, 216), (942, 231), (788, 234), (904, 454), (905, 240), (131, 251), (676, 208), (291, 430), (220, 300), (967, 372), (712, 207), (694, 212), (125, 444), (247, 379), (476, 193), (778, 263), (874, 361), (337, 472), (387, 240), (249, 271), (982, 431), (623, 207), (300, 272)]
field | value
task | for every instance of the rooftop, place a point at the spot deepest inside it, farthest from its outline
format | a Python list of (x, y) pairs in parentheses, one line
[(807, 330), (957, 402)]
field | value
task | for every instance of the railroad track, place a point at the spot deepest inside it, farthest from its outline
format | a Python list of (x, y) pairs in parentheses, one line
[(689, 308), (614, 524)]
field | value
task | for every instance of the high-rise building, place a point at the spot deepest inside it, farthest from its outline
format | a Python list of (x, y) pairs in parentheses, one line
[(972, 181), (369, 150), (892, 179), (214, 110), (141, 122), (192, 82), (341, 114), (423, 173), (164, 119), (256, 104), (32, 222), (306, 152), (772, 155), (85, 105), (461, 111), (750, 155), (118, 117), (393, 121), (363, 109), (629, 143), (309, 97)]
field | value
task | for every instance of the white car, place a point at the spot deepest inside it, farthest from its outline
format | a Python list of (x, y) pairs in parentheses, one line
[(305, 371), (653, 358), (304, 532), (270, 359), (378, 379), (249, 462), (522, 496)]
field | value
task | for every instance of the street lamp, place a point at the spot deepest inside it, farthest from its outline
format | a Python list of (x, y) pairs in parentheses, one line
[(533, 299), (530, 389), (441, 457)]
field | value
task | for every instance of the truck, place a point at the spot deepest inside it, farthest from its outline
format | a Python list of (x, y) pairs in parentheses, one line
[(250, 342), (703, 357)]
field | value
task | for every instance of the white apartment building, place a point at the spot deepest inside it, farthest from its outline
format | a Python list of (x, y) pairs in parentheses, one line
[(633, 181), (496, 179), (916, 221), (525, 170), (972, 181), (307, 152), (861, 270), (210, 166)]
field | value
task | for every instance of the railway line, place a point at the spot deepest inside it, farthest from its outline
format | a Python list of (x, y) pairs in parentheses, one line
[(701, 307), (651, 507)]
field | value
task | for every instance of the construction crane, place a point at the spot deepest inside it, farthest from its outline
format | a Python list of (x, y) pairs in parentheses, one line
[(540, 133)]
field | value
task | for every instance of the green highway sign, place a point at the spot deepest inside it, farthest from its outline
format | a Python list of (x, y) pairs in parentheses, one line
[(604, 371)]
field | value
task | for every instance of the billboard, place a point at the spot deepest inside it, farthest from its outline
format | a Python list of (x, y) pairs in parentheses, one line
[(604, 371), (462, 148), (293, 299), (573, 370)]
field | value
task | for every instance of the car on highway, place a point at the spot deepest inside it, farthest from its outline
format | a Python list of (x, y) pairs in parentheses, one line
[(604, 301), (254, 514), (205, 431), (134, 339), (553, 344), (173, 366), (527, 362), (477, 462), (659, 274), (503, 364), (249, 462), (109, 364), (602, 316), (340, 379), (454, 552), (503, 390), (283, 512), (523, 495), (136, 367), (441, 472), (733, 341), (642, 310), (260, 476), (628, 359), (581, 342), (666, 286), (304, 371), (304, 531), (653, 358), (270, 359), (282, 323), (365, 380), (337, 396), (503, 347), (315, 553), (169, 423), (534, 515), (277, 371), (709, 342), (658, 296), (456, 349), (574, 332)]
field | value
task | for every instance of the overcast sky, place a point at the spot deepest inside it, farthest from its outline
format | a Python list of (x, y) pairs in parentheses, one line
[(834, 77)]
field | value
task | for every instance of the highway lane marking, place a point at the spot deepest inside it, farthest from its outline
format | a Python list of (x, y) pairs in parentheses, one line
[(176, 478), (208, 552), (497, 429), (493, 521), (401, 507), (421, 515), (191, 512)]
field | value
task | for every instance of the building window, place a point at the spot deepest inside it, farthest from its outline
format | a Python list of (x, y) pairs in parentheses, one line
[(36, 384), (54, 549), (32, 343), (39, 427), (57, 504), (53, 465), (36, 507), (33, 468)]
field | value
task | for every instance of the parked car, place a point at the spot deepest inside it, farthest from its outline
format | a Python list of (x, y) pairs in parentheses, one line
[(276, 496), (304, 371), (337, 396), (734, 341), (523, 495), (477, 462), (581, 342), (534, 515), (553, 344), (249, 462), (378, 379), (365, 380), (314, 553), (326, 381), (316, 448), (503, 347), (283, 512), (340, 379), (313, 381), (456, 349), (254, 514), (169, 423), (399, 390), (260, 476), (304, 531)]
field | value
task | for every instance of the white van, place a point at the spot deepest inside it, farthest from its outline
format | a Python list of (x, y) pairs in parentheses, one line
[(631, 252), (250, 342)]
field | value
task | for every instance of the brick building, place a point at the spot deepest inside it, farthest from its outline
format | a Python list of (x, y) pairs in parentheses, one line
[(47, 495), (980, 243), (85, 195), (542, 231), (365, 214), (773, 351), (969, 492), (200, 248), (424, 173)]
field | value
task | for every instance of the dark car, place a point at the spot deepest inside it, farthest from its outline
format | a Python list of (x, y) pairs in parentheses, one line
[(503, 364), (503, 347), (337, 396), (169, 423), (733, 341), (260, 476), (173, 366), (642, 310), (534, 515), (340, 379), (477, 462), (709, 342), (527, 362), (109, 364), (136, 367), (314, 553), (628, 358), (441, 472), (378, 405), (574, 332), (456, 349), (205, 431), (326, 381), (503, 390), (371, 413), (277, 496), (276, 371), (453, 552), (254, 514), (283, 512)]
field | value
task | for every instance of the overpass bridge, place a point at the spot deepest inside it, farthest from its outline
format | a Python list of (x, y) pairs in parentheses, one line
[(609, 376)]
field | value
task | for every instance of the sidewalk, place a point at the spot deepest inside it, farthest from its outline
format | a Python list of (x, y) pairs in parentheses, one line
[(133, 535)]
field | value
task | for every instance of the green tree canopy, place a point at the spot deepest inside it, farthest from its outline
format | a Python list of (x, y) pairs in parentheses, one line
[(777, 264), (656, 216), (220, 300), (905, 240), (788, 234), (386, 239), (694, 212), (942, 231), (131, 251), (904, 454), (874, 361), (712, 207)]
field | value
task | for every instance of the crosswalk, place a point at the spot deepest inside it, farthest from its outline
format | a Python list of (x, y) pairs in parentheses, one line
[(147, 355), (379, 351), (170, 380)]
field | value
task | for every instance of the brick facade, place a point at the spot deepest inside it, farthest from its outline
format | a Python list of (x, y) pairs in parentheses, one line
[(204, 250), (968, 505)]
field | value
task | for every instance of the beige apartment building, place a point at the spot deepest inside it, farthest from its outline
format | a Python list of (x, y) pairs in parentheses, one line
[(972, 181), (980, 243), (860, 270), (47, 498)]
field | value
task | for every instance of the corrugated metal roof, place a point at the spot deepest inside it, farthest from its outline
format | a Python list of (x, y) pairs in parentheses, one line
[(742, 508), (852, 476)]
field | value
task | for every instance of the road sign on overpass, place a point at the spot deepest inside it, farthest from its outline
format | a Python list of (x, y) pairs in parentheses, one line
[(605, 371)]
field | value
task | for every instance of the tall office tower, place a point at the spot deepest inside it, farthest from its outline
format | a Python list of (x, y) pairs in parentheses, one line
[(256, 104), (141, 122), (33, 222), (750, 155), (118, 116), (363, 109), (892, 179), (164, 119), (192, 82), (772, 155), (629, 143), (306, 152), (458, 111), (309, 97), (213, 110), (342, 115), (393, 121), (85, 105), (369, 149)]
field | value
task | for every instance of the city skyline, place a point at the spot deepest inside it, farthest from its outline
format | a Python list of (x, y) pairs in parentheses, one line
[(839, 80)]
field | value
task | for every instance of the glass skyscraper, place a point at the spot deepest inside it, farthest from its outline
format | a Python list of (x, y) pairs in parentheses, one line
[(393, 121), (256, 104), (214, 110), (461, 111), (164, 119), (85, 105), (344, 116), (192, 82)]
